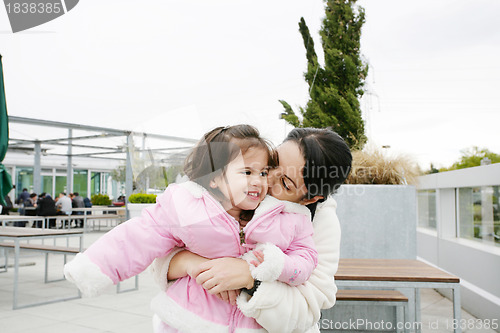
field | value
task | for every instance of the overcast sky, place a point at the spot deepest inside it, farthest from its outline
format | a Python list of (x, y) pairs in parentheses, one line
[(182, 67)]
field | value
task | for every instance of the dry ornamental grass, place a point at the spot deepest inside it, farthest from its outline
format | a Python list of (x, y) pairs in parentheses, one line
[(374, 167)]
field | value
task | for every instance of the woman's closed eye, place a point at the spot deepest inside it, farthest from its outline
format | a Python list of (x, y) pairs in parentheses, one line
[(284, 183)]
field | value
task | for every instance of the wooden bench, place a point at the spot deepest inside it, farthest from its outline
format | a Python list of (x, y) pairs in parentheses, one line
[(371, 295), (42, 248), (377, 297), (57, 249)]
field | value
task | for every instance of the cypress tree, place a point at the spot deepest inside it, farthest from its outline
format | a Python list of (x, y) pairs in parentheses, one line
[(336, 87)]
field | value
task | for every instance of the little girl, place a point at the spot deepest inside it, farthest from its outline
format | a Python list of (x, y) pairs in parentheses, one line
[(222, 211)]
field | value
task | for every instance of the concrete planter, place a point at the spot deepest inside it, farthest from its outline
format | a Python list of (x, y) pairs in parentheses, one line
[(377, 221), (135, 209)]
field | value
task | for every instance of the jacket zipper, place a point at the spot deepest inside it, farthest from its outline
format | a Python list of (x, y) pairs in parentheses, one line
[(242, 236), (231, 320)]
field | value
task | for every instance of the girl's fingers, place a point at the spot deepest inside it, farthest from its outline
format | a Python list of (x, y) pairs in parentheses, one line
[(224, 296), (233, 295), (255, 263), (259, 255)]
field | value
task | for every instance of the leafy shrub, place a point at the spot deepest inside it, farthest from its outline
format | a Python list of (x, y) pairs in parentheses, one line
[(100, 200), (142, 198)]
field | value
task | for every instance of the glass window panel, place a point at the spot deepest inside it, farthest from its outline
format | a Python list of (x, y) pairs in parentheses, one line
[(95, 183), (24, 179), (60, 185), (47, 182), (427, 216), (80, 182), (479, 217)]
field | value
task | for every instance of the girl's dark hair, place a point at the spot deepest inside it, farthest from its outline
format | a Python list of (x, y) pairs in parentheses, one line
[(217, 148), (327, 161)]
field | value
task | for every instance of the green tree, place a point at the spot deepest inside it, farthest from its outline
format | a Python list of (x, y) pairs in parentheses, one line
[(472, 157), (336, 87), (118, 174)]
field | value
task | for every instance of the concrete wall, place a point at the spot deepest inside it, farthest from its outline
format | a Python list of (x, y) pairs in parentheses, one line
[(377, 221)]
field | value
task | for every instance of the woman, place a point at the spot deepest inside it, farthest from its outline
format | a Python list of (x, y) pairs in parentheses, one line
[(313, 163)]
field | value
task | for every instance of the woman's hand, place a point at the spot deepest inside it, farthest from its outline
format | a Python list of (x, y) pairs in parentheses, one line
[(223, 274)]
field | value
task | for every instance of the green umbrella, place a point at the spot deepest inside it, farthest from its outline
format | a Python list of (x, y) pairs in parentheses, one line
[(5, 179)]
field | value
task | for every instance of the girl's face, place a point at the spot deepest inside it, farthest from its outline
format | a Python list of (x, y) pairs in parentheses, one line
[(286, 182), (244, 183)]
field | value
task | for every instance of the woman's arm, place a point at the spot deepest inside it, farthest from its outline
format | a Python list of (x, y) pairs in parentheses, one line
[(302, 304), (216, 275), (222, 277)]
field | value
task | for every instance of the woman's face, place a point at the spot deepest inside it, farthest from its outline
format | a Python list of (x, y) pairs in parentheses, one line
[(286, 181)]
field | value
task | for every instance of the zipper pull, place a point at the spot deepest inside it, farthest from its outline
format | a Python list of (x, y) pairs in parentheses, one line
[(242, 237)]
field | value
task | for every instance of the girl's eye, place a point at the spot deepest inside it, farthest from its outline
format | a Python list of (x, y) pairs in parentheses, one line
[(284, 184), (264, 174), (247, 172)]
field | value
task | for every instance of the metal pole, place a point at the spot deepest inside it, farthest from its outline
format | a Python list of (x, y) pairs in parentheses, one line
[(69, 175), (128, 172), (37, 169)]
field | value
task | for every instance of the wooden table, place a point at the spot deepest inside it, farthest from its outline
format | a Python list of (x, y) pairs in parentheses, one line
[(399, 273), (17, 235)]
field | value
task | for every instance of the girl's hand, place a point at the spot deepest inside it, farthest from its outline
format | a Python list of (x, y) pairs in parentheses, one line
[(184, 263), (260, 257), (223, 274), (229, 296)]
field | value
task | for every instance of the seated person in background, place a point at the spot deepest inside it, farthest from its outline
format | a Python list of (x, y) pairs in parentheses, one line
[(23, 196), (6, 209), (21, 200), (63, 204), (77, 202), (30, 205), (87, 203), (46, 207)]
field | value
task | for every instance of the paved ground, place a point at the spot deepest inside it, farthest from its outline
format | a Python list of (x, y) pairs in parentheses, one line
[(125, 312)]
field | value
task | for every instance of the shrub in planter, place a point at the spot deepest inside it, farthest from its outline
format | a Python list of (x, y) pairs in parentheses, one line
[(142, 198), (100, 200)]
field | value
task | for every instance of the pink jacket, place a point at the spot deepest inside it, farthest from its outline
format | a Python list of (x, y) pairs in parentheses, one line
[(186, 215)]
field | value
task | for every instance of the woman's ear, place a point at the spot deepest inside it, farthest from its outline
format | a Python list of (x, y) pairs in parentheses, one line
[(314, 199), (213, 184)]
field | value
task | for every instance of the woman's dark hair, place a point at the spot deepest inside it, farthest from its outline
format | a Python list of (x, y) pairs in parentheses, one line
[(327, 161), (217, 148)]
